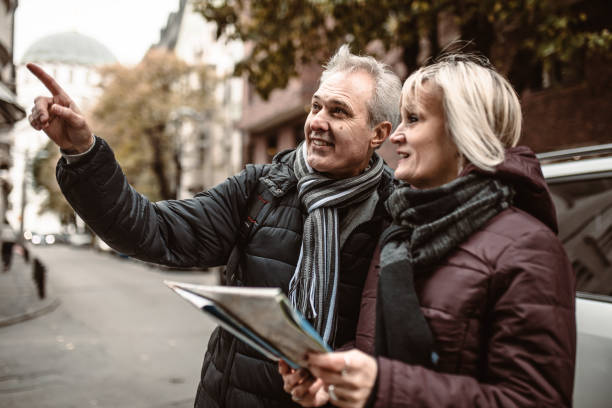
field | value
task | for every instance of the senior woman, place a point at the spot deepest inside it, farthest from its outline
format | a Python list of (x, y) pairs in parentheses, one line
[(475, 299)]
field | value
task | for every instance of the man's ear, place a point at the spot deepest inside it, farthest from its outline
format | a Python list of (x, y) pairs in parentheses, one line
[(381, 133)]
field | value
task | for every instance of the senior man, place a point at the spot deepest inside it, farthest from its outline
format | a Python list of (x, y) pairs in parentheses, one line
[(313, 237)]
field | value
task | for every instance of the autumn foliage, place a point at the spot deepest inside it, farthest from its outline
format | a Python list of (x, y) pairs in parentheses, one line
[(520, 36), (134, 113)]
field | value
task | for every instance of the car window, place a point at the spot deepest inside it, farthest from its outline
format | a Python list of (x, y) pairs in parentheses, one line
[(584, 212)]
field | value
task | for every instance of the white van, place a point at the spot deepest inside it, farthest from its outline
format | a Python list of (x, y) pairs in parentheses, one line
[(580, 181)]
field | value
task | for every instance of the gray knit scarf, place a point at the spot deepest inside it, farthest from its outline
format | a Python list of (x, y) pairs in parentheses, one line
[(434, 221), (427, 226), (313, 288)]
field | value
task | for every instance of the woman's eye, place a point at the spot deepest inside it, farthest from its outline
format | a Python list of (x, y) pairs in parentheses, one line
[(412, 118)]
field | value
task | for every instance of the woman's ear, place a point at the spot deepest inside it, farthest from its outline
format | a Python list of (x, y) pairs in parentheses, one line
[(381, 133)]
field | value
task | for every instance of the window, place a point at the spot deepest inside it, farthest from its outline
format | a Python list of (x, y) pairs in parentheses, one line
[(272, 147), (584, 212)]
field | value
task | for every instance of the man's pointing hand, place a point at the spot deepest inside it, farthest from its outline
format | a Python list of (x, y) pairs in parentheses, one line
[(59, 117)]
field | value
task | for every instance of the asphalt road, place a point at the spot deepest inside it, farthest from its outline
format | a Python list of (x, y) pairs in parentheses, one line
[(120, 338)]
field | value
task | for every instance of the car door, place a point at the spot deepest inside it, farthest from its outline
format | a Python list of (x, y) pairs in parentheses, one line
[(582, 192)]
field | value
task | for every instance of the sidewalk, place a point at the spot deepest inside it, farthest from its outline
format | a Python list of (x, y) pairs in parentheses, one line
[(19, 299)]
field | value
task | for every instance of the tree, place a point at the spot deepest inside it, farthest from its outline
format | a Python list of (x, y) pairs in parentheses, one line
[(133, 114), (43, 171), (286, 34), (135, 109)]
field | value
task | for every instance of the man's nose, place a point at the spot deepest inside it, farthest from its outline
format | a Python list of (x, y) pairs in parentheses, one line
[(319, 123)]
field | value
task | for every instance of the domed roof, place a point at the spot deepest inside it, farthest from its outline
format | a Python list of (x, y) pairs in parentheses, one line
[(69, 48)]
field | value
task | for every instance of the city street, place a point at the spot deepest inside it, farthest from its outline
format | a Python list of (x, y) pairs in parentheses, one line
[(119, 338)]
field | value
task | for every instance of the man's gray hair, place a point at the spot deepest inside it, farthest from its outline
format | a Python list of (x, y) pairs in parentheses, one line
[(384, 104)]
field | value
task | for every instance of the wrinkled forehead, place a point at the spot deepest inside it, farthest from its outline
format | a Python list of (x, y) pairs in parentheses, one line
[(351, 86)]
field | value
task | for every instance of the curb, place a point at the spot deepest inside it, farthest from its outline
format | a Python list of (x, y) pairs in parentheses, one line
[(50, 306)]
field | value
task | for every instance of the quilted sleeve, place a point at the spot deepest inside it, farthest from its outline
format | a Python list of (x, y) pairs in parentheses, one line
[(200, 231)]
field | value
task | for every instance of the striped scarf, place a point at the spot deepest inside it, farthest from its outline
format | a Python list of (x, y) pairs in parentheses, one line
[(314, 285)]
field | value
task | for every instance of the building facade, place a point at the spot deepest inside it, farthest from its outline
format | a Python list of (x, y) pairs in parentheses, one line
[(570, 113), (210, 142), (10, 110), (277, 124)]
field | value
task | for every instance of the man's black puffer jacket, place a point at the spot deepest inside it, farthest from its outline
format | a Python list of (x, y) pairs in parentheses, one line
[(202, 232)]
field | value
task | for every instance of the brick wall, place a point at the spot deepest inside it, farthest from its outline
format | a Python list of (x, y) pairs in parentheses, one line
[(570, 116)]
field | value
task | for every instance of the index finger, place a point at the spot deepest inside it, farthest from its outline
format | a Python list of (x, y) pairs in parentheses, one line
[(46, 79), (328, 361)]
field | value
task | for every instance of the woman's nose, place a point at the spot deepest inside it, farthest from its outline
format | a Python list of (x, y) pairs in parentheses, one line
[(397, 136)]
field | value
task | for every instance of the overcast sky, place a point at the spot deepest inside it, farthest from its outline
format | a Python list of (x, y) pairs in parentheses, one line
[(127, 27)]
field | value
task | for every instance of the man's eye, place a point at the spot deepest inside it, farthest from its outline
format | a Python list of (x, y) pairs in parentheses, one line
[(339, 111), (315, 107)]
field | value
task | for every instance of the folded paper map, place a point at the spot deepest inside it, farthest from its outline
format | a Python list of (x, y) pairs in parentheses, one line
[(261, 317)]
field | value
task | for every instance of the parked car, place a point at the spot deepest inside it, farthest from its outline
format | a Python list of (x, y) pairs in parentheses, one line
[(580, 181), (80, 239), (40, 239)]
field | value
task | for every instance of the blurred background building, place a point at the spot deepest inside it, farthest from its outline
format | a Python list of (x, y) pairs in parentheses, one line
[(10, 110), (210, 143), (277, 124)]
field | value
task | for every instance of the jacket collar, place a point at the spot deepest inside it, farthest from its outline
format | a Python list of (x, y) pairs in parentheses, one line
[(280, 179), (521, 169)]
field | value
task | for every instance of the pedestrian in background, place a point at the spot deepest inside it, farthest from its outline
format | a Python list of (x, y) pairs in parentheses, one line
[(475, 300), (322, 215), (9, 237)]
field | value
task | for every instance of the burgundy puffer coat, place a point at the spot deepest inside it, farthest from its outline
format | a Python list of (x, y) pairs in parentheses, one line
[(500, 307)]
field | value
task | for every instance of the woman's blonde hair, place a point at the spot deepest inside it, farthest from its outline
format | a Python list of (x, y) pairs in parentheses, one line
[(482, 111)]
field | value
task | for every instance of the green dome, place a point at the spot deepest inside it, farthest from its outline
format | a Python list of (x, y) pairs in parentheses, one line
[(69, 48)]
